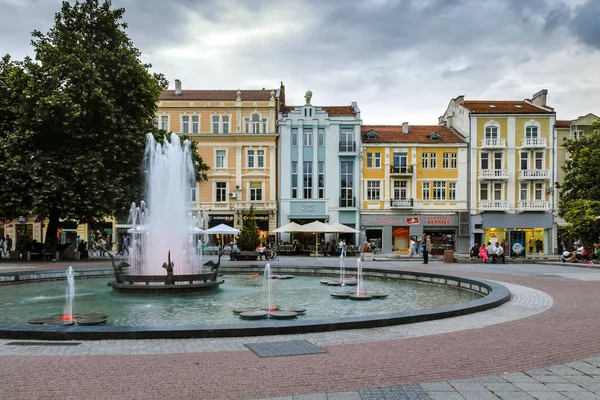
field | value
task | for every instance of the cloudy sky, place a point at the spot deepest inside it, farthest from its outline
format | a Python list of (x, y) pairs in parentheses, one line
[(401, 60)]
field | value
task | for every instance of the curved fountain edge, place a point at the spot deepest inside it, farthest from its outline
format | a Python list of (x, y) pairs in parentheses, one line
[(496, 295)]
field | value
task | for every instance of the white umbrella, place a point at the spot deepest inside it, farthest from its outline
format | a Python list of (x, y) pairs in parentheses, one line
[(291, 227), (222, 229), (317, 227), (344, 228)]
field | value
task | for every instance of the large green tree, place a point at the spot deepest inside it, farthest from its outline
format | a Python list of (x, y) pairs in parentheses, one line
[(579, 194), (74, 119), (248, 238)]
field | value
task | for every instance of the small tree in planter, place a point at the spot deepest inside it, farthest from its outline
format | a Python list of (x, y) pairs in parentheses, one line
[(248, 239)]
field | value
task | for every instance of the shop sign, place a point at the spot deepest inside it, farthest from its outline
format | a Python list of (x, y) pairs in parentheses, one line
[(214, 220), (439, 220), (258, 217), (412, 220), (22, 219)]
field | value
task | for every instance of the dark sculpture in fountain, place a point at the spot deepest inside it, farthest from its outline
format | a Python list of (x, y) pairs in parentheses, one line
[(169, 284)]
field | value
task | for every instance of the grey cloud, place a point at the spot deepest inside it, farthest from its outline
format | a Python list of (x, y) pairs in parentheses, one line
[(557, 17), (585, 23)]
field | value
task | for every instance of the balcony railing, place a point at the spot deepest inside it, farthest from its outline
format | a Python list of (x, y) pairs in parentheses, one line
[(258, 205), (401, 169), (401, 203), (493, 205), (493, 174), (533, 143), (534, 174), (493, 143), (534, 205), (348, 147), (349, 202)]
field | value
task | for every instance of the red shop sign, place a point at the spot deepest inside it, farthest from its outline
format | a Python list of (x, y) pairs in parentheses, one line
[(412, 220)]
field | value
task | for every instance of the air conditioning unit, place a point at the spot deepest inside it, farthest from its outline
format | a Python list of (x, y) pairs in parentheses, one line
[(232, 195), (237, 187)]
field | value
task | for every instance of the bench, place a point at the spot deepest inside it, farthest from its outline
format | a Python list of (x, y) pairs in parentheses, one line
[(247, 255), (147, 279)]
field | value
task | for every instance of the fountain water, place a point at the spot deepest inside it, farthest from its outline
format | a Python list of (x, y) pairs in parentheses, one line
[(268, 285), (69, 295)]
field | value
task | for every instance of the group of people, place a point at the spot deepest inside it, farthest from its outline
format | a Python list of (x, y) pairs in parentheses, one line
[(581, 253), (421, 247), (489, 253)]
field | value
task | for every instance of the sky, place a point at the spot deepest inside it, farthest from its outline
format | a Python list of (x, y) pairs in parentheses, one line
[(400, 60)]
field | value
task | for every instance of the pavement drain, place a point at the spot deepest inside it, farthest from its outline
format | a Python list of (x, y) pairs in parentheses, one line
[(287, 348), (43, 344)]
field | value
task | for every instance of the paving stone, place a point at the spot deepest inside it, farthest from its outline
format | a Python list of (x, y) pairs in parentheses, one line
[(479, 395), (437, 387), (471, 387), (315, 396), (518, 377), (538, 371), (344, 396), (548, 395), (533, 387), (514, 396), (581, 396), (501, 387), (565, 387), (445, 396), (553, 378)]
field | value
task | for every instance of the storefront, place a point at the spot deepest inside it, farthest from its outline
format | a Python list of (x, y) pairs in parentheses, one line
[(262, 223), (218, 219), (395, 231), (522, 234)]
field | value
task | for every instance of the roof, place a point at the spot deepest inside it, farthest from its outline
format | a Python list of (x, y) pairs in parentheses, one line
[(563, 123), (504, 107), (331, 110), (416, 134), (224, 95)]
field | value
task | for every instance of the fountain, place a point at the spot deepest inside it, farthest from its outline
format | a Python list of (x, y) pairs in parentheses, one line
[(162, 229), (342, 281), (360, 293), (68, 312)]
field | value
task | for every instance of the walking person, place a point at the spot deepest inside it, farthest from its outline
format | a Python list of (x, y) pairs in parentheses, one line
[(426, 248), (412, 247)]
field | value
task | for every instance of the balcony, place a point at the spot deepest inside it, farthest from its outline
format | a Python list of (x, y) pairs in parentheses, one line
[(533, 143), (401, 169), (401, 203), (258, 205), (493, 143), (534, 174), (493, 205), (349, 202), (347, 147), (491, 174), (534, 205)]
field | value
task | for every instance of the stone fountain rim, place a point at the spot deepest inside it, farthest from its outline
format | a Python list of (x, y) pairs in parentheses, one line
[(497, 294)]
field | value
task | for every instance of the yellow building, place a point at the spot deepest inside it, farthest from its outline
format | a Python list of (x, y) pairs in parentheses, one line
[(414, 182), (236, 132), (511, 172)]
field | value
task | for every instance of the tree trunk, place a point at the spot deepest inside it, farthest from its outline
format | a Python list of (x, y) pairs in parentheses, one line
[(51, 232)]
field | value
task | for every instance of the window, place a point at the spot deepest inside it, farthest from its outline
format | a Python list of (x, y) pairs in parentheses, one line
[(255, 123), (250, 158), (531, 132), (192, 192), (321, 179), (255, 191), (294, 179), (185, 124), (225, 120), (400, 190), (483, 191), (215, 124), (539, 160), (498, 160), (400, 162), (307, 179), (453, 161), (374, 160), (347, 183), (426, 191), (425, 160), (538, 191), (439, 190), (577, 135), (220, 157), (524, 160), (498, 192), (307, 137), (195, 124), (347, 139), (247, 125), (264, 125), (294, 136), (485, 160), (491, 132), (432, 160), (446, 160), (321, 136), (373, 190), (452, 191), (164, 122), (524, 193), (260, 158), (220, 191)]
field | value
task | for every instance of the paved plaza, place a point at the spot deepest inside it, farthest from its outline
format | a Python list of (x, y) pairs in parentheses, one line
[(543, 344)]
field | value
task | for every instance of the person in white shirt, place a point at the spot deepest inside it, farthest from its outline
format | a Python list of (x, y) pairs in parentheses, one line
[(499, 253), (491, 250), (412, 247)]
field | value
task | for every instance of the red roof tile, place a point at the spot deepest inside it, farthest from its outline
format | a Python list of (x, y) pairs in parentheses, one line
[(503, 107), (416, 134), (563, 123), (225, 95), (331, 110)]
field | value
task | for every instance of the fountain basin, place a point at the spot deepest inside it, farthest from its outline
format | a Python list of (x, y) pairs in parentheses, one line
[(493, 295), (161, 285)]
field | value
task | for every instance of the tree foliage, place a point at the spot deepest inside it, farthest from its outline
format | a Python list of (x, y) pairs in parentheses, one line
[(248, 238), (74, 119), (579, 194)]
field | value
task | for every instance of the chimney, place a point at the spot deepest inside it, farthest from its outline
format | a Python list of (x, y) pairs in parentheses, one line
[(539, 99), (405, 127), (282, 95), (460, 99), (177, 87)]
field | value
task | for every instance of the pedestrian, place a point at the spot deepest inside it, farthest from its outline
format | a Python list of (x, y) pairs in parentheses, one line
[(491, 250), (499, 252), (344, 248), (474, 250), (413, 250), (426, 248), (8, 244), (483, 253), (340, 244)]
